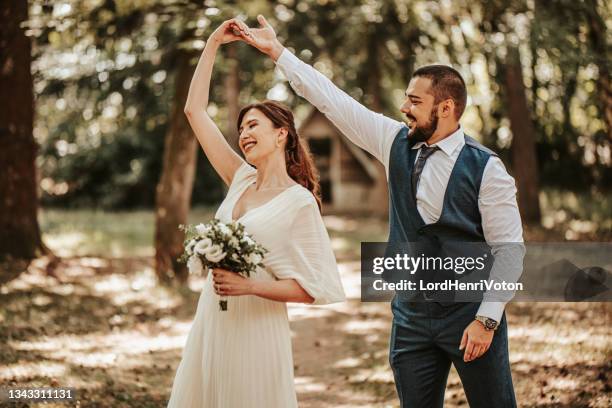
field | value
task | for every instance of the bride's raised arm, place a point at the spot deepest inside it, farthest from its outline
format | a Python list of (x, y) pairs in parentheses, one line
[(220, 154)]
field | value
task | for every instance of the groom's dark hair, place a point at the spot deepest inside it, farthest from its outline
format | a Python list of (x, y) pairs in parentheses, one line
[(446, 82)]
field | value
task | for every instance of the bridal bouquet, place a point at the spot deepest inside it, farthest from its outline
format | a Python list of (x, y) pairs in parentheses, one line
[(220, 245)]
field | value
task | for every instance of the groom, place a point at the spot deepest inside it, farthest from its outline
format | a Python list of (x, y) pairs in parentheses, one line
[(442, 185)]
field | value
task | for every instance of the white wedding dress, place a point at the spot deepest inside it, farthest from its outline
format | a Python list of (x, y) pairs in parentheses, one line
[(242, 357)]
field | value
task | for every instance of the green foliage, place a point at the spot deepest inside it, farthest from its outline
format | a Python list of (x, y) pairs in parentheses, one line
[(116, 234), (105, 70)]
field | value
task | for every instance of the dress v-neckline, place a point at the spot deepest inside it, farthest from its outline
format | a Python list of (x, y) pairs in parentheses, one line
[(259, 206)]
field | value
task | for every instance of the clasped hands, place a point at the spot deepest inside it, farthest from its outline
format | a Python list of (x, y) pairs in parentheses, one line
[(263, 38)]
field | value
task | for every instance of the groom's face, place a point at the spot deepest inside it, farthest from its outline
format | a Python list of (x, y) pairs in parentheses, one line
[(420, 111)]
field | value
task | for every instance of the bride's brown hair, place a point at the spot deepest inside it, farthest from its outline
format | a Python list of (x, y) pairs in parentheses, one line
[(300, 165)]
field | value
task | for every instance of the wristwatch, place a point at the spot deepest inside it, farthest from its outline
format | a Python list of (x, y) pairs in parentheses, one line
[(487, 322)]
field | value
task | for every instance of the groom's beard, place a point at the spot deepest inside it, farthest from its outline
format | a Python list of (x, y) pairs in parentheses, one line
[(422, 134)]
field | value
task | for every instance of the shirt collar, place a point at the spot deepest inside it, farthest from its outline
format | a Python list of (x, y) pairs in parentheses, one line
[(449, 143)]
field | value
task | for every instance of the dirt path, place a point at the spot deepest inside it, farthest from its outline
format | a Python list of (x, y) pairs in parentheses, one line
[(560, 354), (108, 330)]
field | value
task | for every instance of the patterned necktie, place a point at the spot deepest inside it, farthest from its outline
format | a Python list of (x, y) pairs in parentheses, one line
[(420, 164)]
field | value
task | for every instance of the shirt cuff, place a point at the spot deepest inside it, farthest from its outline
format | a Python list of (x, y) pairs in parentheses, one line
[(287, 60), (492, 310)]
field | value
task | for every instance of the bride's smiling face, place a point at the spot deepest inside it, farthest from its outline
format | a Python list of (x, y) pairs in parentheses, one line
[(258, 138)]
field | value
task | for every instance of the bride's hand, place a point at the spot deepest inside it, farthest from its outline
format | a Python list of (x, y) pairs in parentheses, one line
[(228, 283), (229, 31)]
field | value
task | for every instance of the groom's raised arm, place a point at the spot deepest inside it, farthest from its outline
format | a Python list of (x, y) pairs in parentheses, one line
[(369, 130)]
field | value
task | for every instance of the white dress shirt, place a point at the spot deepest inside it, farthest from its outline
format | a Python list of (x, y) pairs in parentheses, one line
[(374, 132)]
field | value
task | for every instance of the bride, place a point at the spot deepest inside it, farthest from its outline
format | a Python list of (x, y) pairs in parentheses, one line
[(242, 357)]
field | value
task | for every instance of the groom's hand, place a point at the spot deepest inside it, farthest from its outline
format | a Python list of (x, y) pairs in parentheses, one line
[(264, 39), (476, 341)]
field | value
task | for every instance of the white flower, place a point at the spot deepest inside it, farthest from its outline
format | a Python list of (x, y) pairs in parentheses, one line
[(225, 229), (194, 265), (234, 242), (235, 257), (254, 258), (189, 246), (248, 240), (215, 254), (203, 246), (202, 229)]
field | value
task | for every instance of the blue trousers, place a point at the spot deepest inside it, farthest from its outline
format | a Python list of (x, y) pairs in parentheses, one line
[(425, 339)]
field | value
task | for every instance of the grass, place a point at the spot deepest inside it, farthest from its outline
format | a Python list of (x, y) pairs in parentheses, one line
[(565, 216), (102, 233), (119, 234), (578, 216)]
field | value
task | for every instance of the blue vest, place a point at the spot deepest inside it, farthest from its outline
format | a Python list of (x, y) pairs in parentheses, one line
[(460, 219)]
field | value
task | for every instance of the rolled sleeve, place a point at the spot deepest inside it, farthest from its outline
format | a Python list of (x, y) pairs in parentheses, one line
[(503, 231)]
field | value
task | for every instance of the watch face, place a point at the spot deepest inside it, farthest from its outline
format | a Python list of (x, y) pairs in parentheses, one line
[(490, 324)]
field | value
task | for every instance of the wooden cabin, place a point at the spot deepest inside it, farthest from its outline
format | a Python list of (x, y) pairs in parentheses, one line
[(352, 180)]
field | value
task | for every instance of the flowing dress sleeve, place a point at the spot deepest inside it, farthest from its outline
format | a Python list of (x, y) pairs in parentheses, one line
[(310, 259), (245, 174)]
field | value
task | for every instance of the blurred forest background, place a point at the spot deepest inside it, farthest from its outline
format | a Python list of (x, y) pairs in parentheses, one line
[(100, 167)]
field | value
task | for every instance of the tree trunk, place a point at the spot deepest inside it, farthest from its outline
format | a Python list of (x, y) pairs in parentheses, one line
[(599, 43), (232, 97), (20, 239), (524, 159), (173, 193), (374, 88)]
